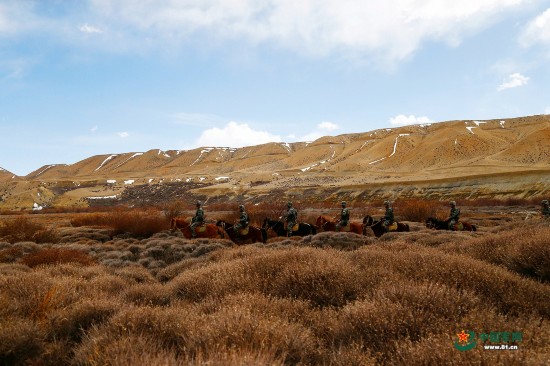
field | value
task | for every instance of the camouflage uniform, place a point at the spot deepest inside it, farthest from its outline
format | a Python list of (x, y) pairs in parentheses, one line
[(243, 220), (388, 216), (545, 211), (197, 220), (291, 217), (454, 216), (344, 217)]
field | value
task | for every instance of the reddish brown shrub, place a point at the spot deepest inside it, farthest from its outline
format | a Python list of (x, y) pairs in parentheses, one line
[(138, 223), (24, 229), (416, 210), (11, 254), (174, 209), (90, 219), (49, 256)]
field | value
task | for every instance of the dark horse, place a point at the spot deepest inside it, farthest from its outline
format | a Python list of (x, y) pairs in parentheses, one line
[(254, 234), (278, 228), (433, 223), (202, 231), (325, 223), (378, 229)]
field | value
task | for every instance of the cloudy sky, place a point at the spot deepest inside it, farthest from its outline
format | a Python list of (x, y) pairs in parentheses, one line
[(87, 77)]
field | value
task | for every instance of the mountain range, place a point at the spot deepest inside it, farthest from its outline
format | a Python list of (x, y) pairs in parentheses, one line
[(470, 158)]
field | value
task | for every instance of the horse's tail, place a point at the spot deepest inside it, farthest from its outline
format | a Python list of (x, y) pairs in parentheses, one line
[(221, 231), (313, 229), (173, 224), (474, 228), (264, 235)]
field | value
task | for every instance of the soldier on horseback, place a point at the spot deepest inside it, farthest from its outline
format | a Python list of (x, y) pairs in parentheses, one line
[(388, 216), (454, 216), (198, 219), (243, 220), (545, 211), (291, 218), (344, 217)]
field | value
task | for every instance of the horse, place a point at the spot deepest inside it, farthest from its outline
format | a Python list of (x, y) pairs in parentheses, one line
[(278, 228), (325, 223), (378, 229), (253, 234), (433, 223), (210, 231)]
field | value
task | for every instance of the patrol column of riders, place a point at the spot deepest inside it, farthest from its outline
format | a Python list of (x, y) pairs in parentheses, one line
[(454, 215), (344, 217), (388, 216), (291, 217), (243, 220), (197, 219), (545, 211)]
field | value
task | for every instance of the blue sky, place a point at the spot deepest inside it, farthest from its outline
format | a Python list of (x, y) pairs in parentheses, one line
[(87, 77)]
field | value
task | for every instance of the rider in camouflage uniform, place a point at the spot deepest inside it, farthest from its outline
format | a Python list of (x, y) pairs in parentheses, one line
[(198, 219), (291, 217), (454, 215), (545, 209), (388, 216), (243, 220), (344, 217)]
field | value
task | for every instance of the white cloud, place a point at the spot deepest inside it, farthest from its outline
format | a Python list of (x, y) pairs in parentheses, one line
[(123, 134), (86, 28), (94, 129), (327, 126), (389, 29), (403, 120), (537, 30), (322, 129), (514, 80), (235, 135)]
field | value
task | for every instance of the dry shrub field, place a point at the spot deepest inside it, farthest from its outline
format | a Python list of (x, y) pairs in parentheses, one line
[(101, 291)]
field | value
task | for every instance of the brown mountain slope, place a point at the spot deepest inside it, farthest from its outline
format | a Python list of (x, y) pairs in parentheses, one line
[(459, 156), (442, 148), (6, 175)]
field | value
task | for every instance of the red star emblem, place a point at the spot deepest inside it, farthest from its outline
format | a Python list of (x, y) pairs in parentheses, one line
[(463, 337)]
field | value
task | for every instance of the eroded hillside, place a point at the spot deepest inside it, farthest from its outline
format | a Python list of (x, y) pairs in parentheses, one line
[(469, 159)]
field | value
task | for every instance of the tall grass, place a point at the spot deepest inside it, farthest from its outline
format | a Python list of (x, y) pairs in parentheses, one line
[(140, 223), (24, 229), (417, 210), (330, 299), (49, 256)]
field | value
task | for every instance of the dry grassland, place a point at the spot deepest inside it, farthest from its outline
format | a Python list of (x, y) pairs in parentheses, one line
[(102, 291)]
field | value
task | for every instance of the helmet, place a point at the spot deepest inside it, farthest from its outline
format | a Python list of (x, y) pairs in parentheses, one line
[(544, 202), (386, 203), (241, 207), (343, 203), (452, 203), (199, 203), (289, 204)]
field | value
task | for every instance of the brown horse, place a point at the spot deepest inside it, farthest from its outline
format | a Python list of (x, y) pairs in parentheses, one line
[(326, 223), (433, 223), (253, 234), (209, 231), (378, 229)]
